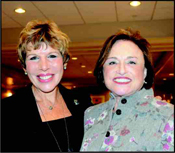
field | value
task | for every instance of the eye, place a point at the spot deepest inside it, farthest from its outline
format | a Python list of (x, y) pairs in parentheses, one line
[(112, 63), (33, 58), (52, 56), (131, 62)]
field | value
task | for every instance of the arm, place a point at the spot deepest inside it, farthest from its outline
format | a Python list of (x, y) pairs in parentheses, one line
[(168, 135)]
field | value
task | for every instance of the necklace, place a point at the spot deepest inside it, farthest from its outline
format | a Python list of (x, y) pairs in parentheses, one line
[(50, 129), (51, 107)]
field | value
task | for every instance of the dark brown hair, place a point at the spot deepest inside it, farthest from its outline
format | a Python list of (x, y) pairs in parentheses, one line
[(136, 38)]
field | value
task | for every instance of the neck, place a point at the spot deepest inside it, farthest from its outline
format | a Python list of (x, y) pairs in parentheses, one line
[(116, 104), (40, 96)]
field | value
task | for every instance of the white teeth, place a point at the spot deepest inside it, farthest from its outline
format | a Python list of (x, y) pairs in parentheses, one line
[(45, 77), (122, 80)]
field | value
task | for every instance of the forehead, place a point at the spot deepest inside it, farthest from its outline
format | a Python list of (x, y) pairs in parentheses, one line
[(41, 48), (126, 48)]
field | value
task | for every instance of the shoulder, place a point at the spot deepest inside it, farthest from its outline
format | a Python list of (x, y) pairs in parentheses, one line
[(21, 95), (18, 94), (95, 110), (74, 93), (19, 103), (76, 99), (100, 113), (163, 107), (166, 114)]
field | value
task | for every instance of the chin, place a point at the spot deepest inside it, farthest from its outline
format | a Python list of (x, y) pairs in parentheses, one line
[(122, 93), (47, 90)]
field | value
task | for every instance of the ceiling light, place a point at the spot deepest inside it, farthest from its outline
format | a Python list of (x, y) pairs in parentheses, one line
[(74, 86), (164, 78), (135, 3), (74, 58), (20, 10), (171, 74), (89, 72), (83, 66)]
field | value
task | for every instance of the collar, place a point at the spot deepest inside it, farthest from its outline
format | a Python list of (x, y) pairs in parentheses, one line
[(138, 97), (69, 98), (30, 102)]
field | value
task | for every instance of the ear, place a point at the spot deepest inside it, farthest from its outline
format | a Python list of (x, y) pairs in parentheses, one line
[(65, 66), (145, 72), (24, 70)]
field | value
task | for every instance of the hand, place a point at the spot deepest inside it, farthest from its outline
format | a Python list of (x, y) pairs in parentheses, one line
[(160, 98)]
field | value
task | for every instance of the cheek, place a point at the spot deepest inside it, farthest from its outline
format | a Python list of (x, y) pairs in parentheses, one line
[(31, 67), (57, 65), (139, 73), (107, 72)]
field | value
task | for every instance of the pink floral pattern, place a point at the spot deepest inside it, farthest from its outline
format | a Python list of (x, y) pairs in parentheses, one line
[(89, 122), (102, 116), (110, 141), (124, 131), (166, 147), (88, 141), (144, 104), (161, 103), (168, 127), (133, 140), (145, 124)]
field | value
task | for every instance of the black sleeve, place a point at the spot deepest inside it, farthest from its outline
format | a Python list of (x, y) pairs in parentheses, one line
[(8, 124)]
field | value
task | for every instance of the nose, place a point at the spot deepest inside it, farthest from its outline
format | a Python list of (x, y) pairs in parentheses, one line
[(122, 69), (44, 64)]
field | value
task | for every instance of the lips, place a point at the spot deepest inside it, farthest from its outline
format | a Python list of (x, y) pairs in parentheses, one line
[(122, 80), (45, 77)]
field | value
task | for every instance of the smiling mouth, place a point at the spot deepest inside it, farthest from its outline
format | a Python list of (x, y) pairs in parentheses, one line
[(122, 80), (45, 77)]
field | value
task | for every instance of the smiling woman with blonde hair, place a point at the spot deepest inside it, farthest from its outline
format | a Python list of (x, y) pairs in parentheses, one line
[(44, 116)]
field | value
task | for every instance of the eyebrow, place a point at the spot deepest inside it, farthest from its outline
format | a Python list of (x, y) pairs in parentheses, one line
[(129, 57), (52, 52), (111, 58), (27, 55)]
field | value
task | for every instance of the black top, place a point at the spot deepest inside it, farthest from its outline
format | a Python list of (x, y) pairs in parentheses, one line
[(23, 129)]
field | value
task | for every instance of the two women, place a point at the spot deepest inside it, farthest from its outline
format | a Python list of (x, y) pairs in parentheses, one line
[(44, 116), (132, 119)]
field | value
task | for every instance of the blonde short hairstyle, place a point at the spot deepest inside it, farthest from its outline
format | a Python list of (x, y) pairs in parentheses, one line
[(37, 32)]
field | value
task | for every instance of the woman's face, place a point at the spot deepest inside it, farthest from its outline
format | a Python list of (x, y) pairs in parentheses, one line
[(44, 67), (124, 70)]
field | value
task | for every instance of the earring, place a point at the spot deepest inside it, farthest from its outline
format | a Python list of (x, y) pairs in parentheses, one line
[(25, 73), (65, 67), (145, 82)]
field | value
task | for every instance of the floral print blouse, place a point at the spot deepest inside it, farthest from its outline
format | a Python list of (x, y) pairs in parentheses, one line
[(140, 123)]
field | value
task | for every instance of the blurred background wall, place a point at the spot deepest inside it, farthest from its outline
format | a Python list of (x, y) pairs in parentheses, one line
[(88, 24)]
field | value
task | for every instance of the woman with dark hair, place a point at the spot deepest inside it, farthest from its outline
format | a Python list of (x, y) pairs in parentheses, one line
[(44, 116), (133, 119)]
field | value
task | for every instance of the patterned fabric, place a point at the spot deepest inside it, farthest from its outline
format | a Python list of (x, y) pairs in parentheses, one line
[(141, 123)]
